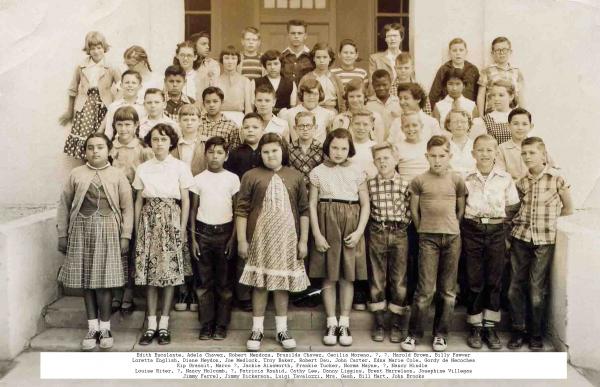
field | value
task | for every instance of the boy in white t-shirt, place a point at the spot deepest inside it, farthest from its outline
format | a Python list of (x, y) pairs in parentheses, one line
[(213, 236)]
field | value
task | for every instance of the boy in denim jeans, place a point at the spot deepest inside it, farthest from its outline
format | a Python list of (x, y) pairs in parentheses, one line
[(544, 197), (388, 243), (437, 204)]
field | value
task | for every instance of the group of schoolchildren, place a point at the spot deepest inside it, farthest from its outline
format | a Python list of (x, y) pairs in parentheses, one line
[(211, 185)]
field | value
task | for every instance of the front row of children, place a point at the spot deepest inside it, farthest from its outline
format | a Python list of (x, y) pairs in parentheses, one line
[(268, 216)]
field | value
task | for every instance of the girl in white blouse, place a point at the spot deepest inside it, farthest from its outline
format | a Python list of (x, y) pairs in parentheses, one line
[(161, 214)]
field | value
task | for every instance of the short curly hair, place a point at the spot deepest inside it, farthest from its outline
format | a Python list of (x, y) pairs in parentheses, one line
[(164, 130)]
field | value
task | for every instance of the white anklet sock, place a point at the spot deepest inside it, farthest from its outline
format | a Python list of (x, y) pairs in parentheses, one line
[(345, 321), (93, 325), (258, 323), (281, 323), (332, 321), (164, 322), (104, 325), (152, 322)]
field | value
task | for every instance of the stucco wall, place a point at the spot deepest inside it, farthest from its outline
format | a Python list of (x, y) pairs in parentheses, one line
[(41, 45)]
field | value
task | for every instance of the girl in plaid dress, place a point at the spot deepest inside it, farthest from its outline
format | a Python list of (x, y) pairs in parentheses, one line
[(502, 95), (95, 221), (89, 94)]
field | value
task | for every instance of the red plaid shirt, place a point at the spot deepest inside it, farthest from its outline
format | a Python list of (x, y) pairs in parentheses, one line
[(540, 207)]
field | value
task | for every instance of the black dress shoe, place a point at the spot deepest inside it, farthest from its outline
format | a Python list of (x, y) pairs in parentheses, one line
[(164, 337), (516, 340), (220, 333), (536, 343), (206, 332), (147, 337)]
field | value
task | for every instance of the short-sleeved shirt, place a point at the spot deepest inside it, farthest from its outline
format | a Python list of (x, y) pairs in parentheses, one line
[(337, 181), (494, 72), (163, 179), (216, 192), (364, 157), (488, 197), (172, 110), (223, 127), (128, 157), (388, 110), (348, 75), (540, 207), (412, 161), (277, 125), (437, 201), (389, 199), (462, 160)]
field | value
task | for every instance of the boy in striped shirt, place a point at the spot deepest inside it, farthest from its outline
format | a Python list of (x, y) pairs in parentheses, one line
[(249, 65)]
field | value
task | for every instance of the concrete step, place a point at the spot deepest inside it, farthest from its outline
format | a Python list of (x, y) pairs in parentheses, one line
[(69, 312), (68, 339)]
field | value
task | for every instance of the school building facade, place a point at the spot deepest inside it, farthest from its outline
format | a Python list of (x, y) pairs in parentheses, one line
[(555, 43)]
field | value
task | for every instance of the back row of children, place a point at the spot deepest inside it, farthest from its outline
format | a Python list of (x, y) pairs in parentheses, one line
[(411, 128)]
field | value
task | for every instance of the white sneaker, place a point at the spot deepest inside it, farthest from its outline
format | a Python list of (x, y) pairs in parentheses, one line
[(106, 339), (253, 343), (409, 344), (90, 340), (439, 344), (330, 337), (286, 340), (344, 336)]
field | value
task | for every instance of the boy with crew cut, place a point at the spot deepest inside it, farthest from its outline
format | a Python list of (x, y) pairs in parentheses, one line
[(457, 49), (388, 244), (544, 197), (174, 85), (155, 105), (213, 122), (295, 59), (491, 196), (437, 204), (249, 65), (212, 240)]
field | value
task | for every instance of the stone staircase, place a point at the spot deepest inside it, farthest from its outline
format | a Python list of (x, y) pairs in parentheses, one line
[(65, 324)]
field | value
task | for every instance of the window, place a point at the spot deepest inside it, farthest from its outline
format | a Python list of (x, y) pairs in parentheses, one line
[(391, 11), (294, 4), (197, 16)]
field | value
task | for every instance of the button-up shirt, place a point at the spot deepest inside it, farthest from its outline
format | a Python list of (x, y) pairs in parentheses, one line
[(388, 110), (163, 179), (223, 127), (295, 66), (389, 199), (489, 196), (540, 207), (305, 162), (172, 110)]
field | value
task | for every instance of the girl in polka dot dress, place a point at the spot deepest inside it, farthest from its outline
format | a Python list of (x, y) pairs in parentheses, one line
[(89, 94)]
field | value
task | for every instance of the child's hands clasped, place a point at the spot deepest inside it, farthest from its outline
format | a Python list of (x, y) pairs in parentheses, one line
[(62, 244), (351, 240), (321, 244)]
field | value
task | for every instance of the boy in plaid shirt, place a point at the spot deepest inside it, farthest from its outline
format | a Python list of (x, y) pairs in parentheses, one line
[(387, 243), (544, 197)]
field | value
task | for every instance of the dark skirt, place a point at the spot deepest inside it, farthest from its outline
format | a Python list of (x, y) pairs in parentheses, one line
[(158, 248), (93, 254), (336, 221), (85, 122)]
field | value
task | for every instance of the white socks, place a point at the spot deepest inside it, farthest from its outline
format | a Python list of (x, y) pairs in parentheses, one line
[(258, 323), (93, 325), (152, 323), (281, 323), (105, 325), (332, 321), (345, 321), (164, 322)]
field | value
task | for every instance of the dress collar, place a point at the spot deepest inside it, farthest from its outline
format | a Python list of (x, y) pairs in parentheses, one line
[(97, 169), (331, 164)]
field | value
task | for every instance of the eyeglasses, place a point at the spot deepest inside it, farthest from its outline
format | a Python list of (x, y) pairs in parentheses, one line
[(502, 50), (185, 56), (304, 127)]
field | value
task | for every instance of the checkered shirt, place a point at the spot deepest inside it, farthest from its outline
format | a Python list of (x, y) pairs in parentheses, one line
[(305, 162), (172, 110), (500, 131), (389, 199), (222, 127), (493, 73), (540, 207)]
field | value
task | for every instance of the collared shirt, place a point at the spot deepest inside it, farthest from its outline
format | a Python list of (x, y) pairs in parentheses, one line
[(186, 149), (389, 199), (462, 160), (295, 66), (128, 157), (540, 207), (509, 158), (173, 106), (242, 159), (388, 110), (306, 162), (487, 197), (496, 124), (189, 88), (494, 73), (138, 105), (277, 125), (337, 181), (221, 127), (146, 124), (215, 191), (163, 179)]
